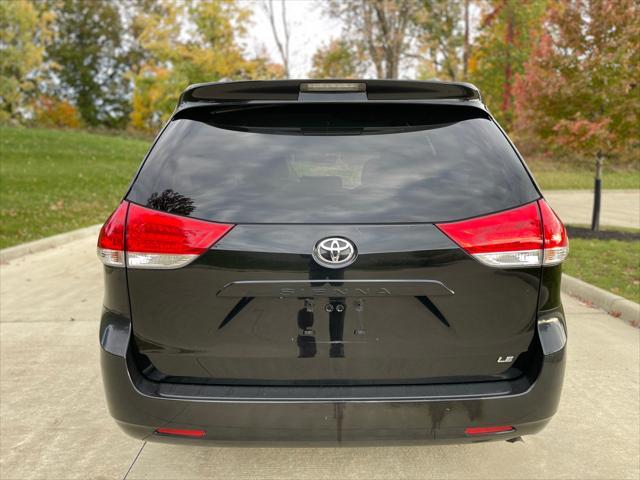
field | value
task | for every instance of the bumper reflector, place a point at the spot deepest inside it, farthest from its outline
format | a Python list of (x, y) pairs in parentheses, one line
[(181, 433), (488, 430)]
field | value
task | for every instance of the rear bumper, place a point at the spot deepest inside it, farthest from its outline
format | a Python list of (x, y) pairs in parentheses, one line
[(328, 416)]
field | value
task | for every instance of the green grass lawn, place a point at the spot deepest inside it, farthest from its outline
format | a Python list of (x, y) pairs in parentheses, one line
[(613, 265), (562, 177), (52, 181)]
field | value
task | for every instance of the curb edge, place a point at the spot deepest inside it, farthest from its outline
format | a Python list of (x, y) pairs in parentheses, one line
[(614, 305), (17, 251)]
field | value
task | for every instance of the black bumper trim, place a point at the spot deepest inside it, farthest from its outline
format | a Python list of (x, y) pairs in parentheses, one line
[(323, 394), (404, 415)]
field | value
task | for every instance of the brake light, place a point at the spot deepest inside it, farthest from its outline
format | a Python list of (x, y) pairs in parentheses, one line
[(181, 433), (531, 235), (111, 238), (488, 430), (506, 239), (161, 240), (154, 239), (556, 242)]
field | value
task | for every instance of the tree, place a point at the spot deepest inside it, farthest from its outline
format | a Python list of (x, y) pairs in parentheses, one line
[(508, 31), (466, 44), (282, 40), (136, 15), (211, 51), (338, 59), (51, 112), (24, 32), (579, 92), (154, 98), (88, 49), (378, 28), (215, 51), (442, 31)]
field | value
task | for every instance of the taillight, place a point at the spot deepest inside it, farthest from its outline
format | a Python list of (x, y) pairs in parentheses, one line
[(161, 240), (111, 238), (556, 242), (521, 237), (506, 239)]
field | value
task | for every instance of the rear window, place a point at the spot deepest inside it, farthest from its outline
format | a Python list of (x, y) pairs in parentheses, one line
[(332, 163)]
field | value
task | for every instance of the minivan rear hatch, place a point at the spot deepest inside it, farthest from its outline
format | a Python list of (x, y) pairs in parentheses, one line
[(258, 308)]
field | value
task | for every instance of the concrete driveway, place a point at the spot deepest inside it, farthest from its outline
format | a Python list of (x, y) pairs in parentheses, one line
[(620, 208), (54, 422)]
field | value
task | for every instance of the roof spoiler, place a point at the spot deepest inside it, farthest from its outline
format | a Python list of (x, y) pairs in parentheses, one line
[(326, 90)]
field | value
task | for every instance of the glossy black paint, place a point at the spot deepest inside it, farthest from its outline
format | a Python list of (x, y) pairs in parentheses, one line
[(430, 313), (241, 342), (310, 415), (290, 90)]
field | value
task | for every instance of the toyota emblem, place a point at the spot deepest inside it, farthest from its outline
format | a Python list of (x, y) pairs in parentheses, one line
[(334, 252)]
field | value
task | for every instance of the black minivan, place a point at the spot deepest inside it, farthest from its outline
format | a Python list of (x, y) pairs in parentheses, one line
[(332, 262)]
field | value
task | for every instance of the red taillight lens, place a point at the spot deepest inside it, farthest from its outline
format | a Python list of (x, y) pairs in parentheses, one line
[(556, 242), (507, 239), (530, 235), (151, 231), (181, 433), (162, 240), (488, 430), (155, 239), (111, 238)]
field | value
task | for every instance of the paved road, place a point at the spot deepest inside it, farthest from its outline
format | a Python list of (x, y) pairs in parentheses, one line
[(620, 208), (54, 422)]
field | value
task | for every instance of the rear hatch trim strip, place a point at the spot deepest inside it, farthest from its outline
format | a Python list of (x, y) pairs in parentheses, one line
[(333, 288)]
